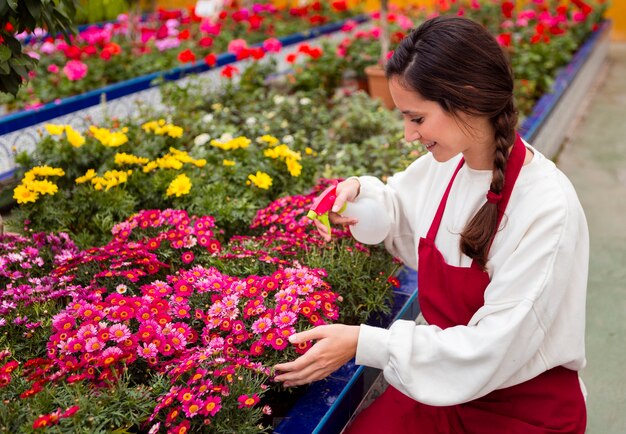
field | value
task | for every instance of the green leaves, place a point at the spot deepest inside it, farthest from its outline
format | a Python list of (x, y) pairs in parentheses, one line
[(53, 15)]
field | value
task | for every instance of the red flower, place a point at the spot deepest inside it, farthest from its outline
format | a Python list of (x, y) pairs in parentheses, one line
[(70, 411), (210, 59), (394, 281), (184, 35), (507, 9), (291, 58), (257, 53), (504, 39), (339, 5), (43, 421), (229, 71), (205, 42), (186, 56), (255, 22), (316, 52), (73, 52)]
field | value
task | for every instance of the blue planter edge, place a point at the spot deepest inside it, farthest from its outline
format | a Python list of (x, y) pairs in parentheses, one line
[(26, 118), (327, 405), (546, 104)]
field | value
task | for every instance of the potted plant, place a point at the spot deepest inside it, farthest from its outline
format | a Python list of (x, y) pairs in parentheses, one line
[(376, 80)]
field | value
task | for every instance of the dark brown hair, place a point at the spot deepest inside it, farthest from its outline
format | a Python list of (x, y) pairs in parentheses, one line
[(457, 63)]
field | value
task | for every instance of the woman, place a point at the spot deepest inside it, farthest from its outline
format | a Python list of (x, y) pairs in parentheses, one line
[(500, 242)]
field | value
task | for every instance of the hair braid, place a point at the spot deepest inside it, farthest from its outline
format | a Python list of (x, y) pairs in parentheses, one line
[(477, 236)]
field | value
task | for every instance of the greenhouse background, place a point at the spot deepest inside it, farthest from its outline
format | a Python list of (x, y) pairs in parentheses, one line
[(184, 179)]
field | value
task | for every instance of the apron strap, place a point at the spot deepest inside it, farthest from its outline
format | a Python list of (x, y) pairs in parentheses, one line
[(434, 227), (511, 172)]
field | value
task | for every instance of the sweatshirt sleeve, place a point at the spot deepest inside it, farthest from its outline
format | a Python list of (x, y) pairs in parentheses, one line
[(505, 336), (399, 198)]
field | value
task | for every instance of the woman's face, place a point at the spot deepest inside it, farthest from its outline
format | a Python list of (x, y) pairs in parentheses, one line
[(441, 133)]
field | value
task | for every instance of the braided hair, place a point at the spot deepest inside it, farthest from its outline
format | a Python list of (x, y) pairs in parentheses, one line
[(457, 63)]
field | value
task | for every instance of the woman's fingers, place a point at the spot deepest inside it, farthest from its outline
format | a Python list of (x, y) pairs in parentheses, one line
[(322, 229)]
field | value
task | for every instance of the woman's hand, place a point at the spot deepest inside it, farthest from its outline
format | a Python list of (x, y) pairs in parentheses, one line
[(347, 191), (336, 345)]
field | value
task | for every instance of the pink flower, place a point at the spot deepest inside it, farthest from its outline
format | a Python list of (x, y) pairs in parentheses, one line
[(75, 70), (261, 325), (272, 45), (237, 45), (47, 48), (53, 69), (93, 344), (147, 350), (284, 319), (119, 332), (349, 25), (210, 28)]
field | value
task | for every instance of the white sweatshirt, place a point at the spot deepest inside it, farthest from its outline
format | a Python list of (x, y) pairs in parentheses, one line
[(533, 318)]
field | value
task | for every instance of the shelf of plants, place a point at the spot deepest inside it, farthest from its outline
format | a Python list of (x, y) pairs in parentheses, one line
[(199, 38)]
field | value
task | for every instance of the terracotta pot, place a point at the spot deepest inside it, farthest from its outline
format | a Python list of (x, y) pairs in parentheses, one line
[(378, 86)]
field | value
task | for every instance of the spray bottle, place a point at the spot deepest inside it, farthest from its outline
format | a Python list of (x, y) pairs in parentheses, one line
[(373, 224)]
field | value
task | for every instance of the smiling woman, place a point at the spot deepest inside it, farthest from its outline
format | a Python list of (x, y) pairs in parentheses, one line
[(504, 313)]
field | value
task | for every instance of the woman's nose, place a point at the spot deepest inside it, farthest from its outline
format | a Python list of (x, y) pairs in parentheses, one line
[(411, 133)]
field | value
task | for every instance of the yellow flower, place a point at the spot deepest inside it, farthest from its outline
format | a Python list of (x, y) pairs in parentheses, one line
[(293, 167), (199, 163), (44, 171), (150, 166), (236, 143), (115, 177), (270, 140), (116, 139), (161, 128), (261, 180), (23, 195), (42, 187), (55, 130), (179, 186), (228, 163), (86, 177), (122, 159), (74, 137), (109, 138)]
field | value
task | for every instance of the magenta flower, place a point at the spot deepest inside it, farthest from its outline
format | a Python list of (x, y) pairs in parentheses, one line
[(248, 401), (75, 70), (211, 406), (187, 257)]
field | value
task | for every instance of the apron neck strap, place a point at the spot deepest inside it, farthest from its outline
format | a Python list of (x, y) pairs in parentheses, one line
[(511, 172)]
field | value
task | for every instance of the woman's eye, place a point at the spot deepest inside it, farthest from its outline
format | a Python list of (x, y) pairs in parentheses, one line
[(417, 120)]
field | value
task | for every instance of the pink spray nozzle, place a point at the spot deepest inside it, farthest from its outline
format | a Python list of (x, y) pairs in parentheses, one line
[(322, 205)]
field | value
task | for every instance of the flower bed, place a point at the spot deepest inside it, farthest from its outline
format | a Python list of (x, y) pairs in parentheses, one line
[(130, 47)]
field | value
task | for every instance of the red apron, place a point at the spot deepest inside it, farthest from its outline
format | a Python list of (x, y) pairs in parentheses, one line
[(549, 403)]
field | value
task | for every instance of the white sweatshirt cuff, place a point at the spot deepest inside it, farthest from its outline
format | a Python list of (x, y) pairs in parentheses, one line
[(373, 347)]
